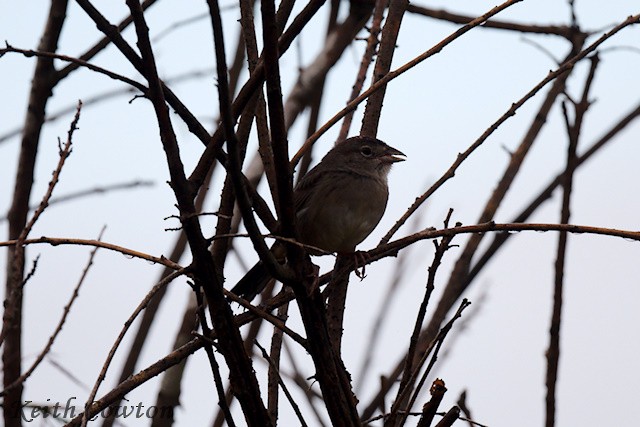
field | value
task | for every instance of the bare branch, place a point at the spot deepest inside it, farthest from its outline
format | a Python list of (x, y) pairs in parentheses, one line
[(79, 62)]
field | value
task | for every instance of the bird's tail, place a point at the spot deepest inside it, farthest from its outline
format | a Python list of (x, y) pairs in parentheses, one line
[(253, 282)]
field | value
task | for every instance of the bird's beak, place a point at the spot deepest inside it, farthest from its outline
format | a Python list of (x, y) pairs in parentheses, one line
[(391, 155)]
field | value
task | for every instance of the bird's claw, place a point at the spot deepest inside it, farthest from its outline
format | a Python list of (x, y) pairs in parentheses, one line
[(360, 260)]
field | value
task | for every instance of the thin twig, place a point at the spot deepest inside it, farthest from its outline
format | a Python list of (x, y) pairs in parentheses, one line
[(15, 280), (95, 190), (438, 341), (440, 249), (573, 130), (29, 53), (64, 152), (263, 314), (56, 241)]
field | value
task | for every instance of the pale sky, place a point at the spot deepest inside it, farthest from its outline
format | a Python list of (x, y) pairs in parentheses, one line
[(432, 113)]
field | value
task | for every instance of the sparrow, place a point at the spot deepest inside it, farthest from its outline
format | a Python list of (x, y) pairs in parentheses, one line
[(338, 203)]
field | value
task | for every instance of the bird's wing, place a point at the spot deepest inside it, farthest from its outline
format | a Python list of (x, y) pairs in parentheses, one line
[(304, 189)]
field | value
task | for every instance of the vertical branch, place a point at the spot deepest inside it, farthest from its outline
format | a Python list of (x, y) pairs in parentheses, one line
[(274, 367), (553, 352), (41, 90), (337, 299), (225, 223), (383, 66), (331, 374), (312, 78), (241, 375), (315, 98), (284, 195), (259, 108), (215, 368), (234, 167), (367, 57), (178, 250)]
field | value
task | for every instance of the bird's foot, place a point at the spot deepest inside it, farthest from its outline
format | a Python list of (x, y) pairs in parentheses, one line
[(360, 260)]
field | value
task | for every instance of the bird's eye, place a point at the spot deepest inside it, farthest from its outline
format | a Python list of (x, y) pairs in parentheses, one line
[(366, 151)]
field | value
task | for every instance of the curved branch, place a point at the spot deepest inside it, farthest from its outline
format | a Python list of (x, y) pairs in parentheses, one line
[(55, 241)]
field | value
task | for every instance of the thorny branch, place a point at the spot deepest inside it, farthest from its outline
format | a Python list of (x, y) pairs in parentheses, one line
[(208, 271)]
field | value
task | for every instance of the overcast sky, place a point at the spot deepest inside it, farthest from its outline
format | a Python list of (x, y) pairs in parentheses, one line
[(433, 112)]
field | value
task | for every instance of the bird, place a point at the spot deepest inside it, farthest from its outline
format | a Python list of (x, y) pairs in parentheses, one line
[(338, 203)]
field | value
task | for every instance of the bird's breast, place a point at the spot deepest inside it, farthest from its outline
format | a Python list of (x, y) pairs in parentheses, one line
[(338, 219)]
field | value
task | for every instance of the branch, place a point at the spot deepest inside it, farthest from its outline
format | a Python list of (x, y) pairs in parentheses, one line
[(560, 30), (55, 241), (367, 58), (41, 91), (234, 168), (391, 249), (242, 377), (553, 352), (248, 90), (406, 383), (102, 44), (79, 62), (292, 402), (390, 34), (279, 143)]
